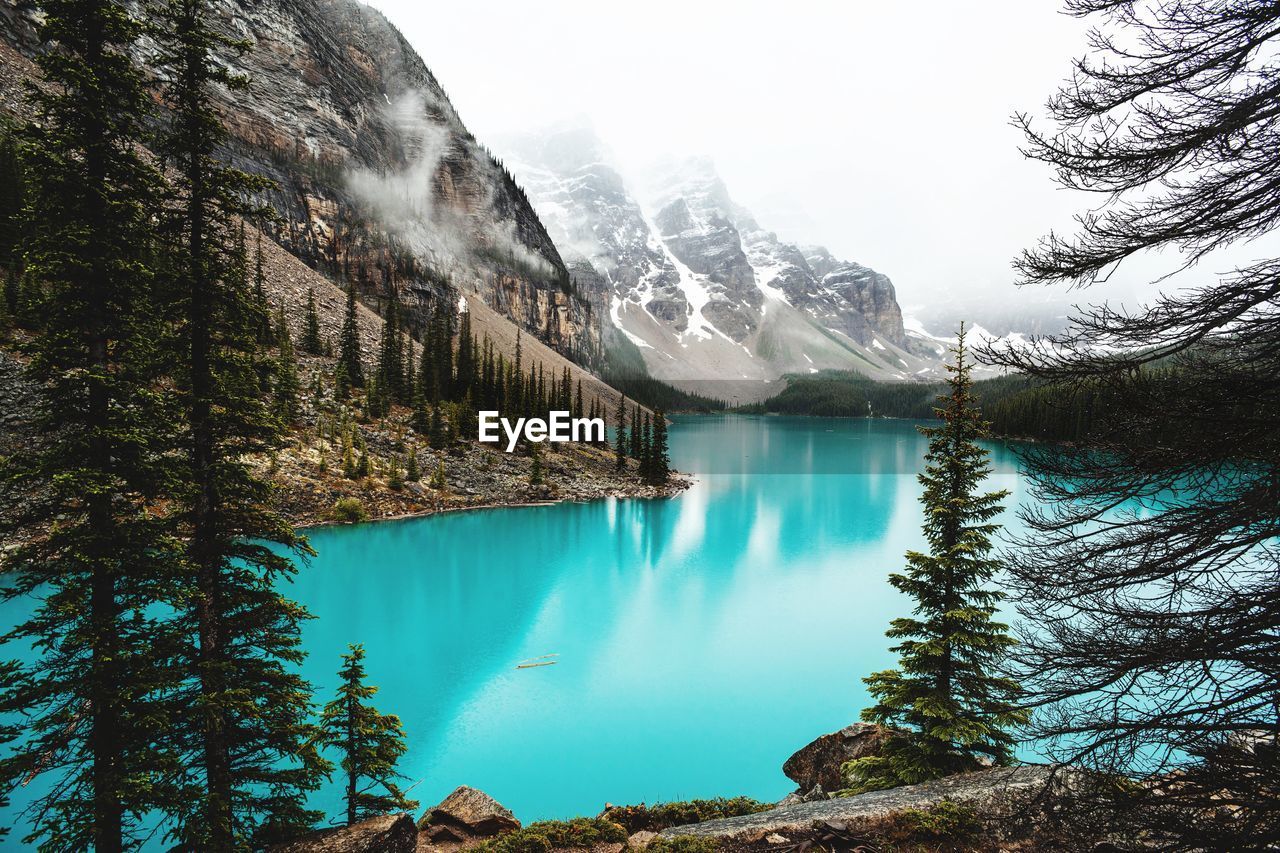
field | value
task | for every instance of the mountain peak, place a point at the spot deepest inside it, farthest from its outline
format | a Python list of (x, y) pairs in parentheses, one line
[(696, 286)]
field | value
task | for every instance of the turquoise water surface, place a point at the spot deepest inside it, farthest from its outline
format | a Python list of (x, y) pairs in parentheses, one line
[(700, 640)]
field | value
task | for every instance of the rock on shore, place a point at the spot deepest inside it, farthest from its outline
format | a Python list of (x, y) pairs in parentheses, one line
[(816, 768), (996, 792), (384, 834), (465, 815)]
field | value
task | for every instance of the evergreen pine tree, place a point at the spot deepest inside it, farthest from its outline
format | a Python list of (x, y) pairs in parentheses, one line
[(636, 436), (451, 423), (348, 461), (377, 400), (261, 308), (406, 387), (437, 435), (659, 469), (466, 358), (468, 419), (311, 341), (646, 457), (515, 383), (425, 388), (247, 728), (411, 473), (390, 369), (341, 382), (370, 742), (12, 201), (86, 548), (287, 384), (537, 476), (349, 342), (438, 480), (441, 338), (421, 418), (362, 461), (620, 440), (948, 707)]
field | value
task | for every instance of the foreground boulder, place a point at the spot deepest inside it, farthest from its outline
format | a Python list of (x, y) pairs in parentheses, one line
[(994, 793), (816, 768), (467, 814), (385, 834)]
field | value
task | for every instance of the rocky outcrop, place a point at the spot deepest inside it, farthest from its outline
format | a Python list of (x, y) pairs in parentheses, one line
[(709, 245), (818, 764), (384, 834), (864, 304), (464, 815), (597, 224), (992, 794)]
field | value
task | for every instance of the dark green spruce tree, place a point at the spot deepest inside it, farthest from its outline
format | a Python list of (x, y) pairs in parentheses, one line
[(349, 343), (91, 556), (635, 433), (247, 732), (287, 386), (261, 308), (371, 743), (646, 458), (389, 374), (658, 471), (12, 204), (949, 707), (312, 343), (620, 440)]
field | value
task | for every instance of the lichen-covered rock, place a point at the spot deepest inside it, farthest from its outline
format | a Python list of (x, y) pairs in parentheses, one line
[(817, 765), (994, 793), (641, 839), (386, 834), (467, 814)]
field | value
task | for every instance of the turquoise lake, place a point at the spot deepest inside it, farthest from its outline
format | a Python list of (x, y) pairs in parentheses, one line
[(699, 640)]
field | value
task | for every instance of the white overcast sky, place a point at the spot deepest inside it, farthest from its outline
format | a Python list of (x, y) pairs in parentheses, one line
[(878, 129)]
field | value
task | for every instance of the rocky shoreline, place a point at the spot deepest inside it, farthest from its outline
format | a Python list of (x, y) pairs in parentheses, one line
[(476, 477), (1020, 808)]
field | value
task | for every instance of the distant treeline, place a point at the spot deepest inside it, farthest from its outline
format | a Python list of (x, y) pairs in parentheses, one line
[(1015, 406), (656, 394)]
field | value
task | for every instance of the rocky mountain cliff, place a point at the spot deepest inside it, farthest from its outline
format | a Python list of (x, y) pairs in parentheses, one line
[(378, 181), (697, 285)]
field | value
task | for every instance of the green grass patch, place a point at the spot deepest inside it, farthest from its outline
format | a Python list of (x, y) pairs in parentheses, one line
[(660, 816), (543, 836), (682, 844)]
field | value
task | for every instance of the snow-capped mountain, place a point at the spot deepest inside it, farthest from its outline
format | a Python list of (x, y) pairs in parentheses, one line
[(696, 284)]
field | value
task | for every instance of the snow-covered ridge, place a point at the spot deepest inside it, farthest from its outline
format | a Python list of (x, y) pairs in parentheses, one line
[(696, 283)]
